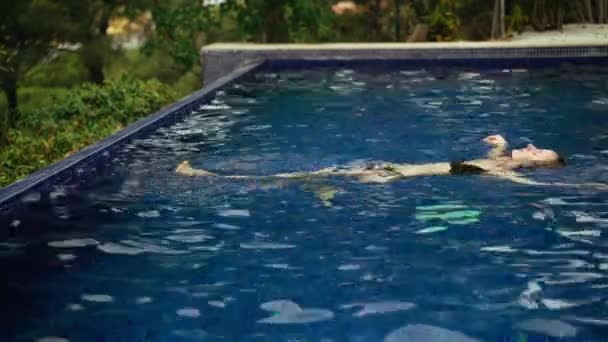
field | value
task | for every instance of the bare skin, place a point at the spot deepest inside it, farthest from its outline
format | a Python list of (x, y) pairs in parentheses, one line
[(498, 163)]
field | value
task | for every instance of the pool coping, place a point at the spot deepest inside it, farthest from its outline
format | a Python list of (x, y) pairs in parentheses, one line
[(142, 126), (401, 46), (218, 59)]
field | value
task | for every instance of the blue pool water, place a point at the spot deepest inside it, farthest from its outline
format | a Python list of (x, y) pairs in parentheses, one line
[(142, 254)]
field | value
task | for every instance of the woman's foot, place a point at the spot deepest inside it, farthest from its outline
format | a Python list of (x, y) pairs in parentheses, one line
[(185, 169)]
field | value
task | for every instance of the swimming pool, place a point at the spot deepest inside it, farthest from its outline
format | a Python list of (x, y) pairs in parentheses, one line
[(139, 253)]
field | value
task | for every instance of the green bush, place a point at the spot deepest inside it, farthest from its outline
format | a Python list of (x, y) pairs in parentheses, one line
[(517, 20), (32, 98), (135, 64), (63, 69), (88, 114), (188, 83), (444, 24)]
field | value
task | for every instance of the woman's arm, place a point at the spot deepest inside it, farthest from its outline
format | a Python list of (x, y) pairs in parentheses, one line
[(499, 146), (515, 177), (519, 179)]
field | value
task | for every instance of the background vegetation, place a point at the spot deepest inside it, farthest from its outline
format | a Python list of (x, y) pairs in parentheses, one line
[(68, 79)]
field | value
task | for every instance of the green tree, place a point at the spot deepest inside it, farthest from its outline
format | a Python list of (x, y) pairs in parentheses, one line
[(373, 19), (184, 26), (282, 21), (592, 11), (28, 28), (311, 21), (89, 22)]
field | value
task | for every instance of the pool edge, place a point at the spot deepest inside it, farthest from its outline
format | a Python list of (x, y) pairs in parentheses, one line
[(217, 59), (18, 188)]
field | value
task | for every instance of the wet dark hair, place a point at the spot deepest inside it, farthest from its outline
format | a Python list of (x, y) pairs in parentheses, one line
[(461, 168)]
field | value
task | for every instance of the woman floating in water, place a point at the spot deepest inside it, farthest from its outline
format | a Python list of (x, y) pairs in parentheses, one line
[(498, 164)]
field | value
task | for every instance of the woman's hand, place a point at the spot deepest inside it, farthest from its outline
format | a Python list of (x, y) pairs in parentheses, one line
[(495, 140)]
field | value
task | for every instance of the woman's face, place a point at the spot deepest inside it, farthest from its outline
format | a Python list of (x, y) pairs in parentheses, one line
[(535, 155)]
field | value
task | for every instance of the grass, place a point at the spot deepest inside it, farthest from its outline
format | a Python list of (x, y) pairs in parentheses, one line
[(52, 80)]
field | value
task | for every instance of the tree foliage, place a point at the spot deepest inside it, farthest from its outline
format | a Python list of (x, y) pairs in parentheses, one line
[(88, 27), (30, 30), (182, 27), (282, 21), (24, 40)]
